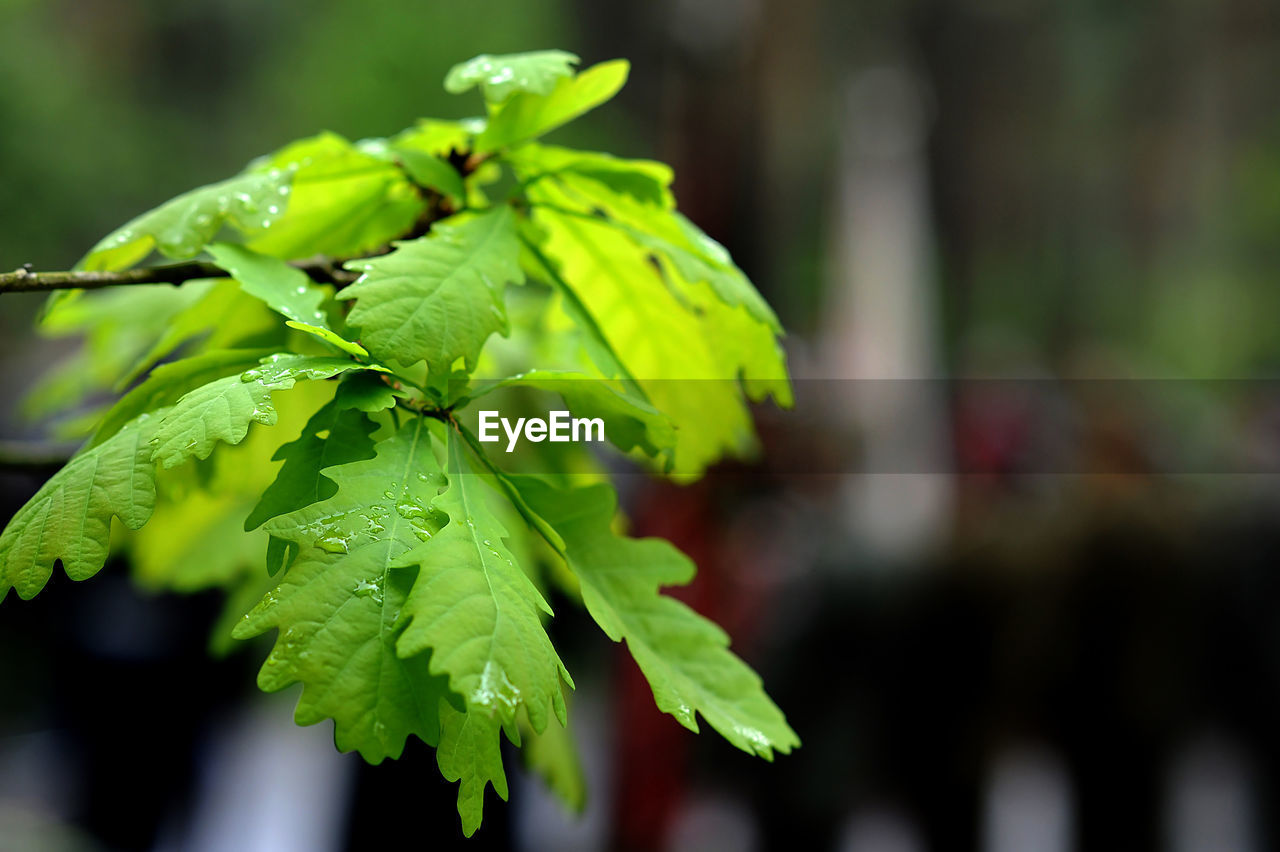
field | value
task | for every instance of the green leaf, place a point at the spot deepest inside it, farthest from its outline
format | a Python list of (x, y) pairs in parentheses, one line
[(591, 336), (439, 297), (703, 259), (339, 433), (646, 181), (368, 392), (650, 220), (336, 434), (196, 542), (629, 422), (742, 329), (348, 346), (738, 338), (222, 410), (663, 344), (477, 611), (121, 309), (69, 518), (225, 317), (119, 326), (239, 598), (435, 137), (285, 289), (554, 757), (684, 656), (433, 173), (501, 76), (170, 382), (527, 115), (338, 604), (344, 202), (469, 752), (180, 228), (532, 518)]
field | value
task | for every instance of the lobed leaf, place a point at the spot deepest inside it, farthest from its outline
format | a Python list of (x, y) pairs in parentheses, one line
[(69, 518), (629, 422), (222, 410), (433, 173), (338, 604), (477, 611), (285, 289), (646, 181), (225, 317), (197, 542), (527, 115), (702, 259), (180, 228), (339, 433), (119, 326), (469, 752), (501, 76), (170, 382), (662, 344), (438, 298), (436, 137), (684, 656), (344, 202)]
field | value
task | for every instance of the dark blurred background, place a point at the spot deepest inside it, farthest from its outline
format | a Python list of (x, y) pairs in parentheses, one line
[(979, 650)]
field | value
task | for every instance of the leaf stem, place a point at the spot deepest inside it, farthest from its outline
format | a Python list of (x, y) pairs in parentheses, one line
[(532, 518)]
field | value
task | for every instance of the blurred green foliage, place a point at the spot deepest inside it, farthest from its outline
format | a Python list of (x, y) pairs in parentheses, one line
[(111, 108)]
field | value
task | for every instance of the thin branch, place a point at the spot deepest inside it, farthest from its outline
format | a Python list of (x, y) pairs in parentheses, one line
[(321, 269), (25, 280)]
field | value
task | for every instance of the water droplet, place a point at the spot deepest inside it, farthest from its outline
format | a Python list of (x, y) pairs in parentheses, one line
[(332, 544), (369, 589), (410, 511), (251, 375)]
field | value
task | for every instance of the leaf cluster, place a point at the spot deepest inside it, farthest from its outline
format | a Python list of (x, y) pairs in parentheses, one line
[(321, 428)]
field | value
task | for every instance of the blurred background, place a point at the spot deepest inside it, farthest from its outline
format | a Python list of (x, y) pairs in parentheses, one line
[(981, 647)]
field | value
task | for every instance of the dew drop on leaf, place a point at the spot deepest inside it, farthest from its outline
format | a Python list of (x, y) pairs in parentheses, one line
[(332, 544)]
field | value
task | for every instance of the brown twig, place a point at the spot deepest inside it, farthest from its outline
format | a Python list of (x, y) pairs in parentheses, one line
[(26, 280)]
